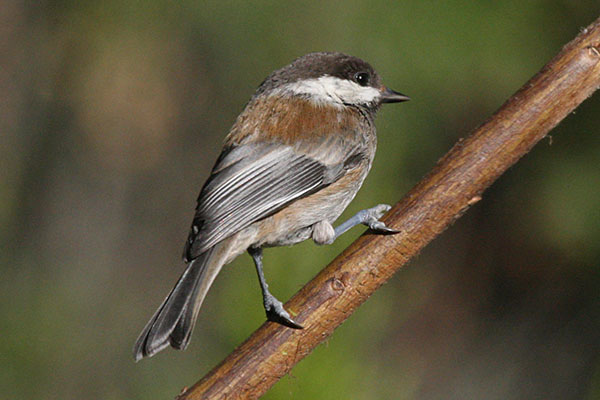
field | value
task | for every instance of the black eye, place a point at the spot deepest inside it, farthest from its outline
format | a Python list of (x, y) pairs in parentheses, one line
[(362, 78)]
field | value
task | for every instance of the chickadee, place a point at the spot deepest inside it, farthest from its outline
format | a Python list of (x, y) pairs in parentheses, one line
[(293, 160)]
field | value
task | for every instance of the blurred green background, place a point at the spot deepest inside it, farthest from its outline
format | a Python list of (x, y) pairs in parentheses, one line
[(112, 114)]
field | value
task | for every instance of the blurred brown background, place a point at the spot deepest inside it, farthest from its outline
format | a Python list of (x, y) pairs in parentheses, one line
[(112, 113)]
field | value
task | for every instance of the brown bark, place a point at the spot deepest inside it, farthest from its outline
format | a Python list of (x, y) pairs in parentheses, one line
[(456, 183)]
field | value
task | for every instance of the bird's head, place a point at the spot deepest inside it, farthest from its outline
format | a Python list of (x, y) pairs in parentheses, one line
[(333, 79)]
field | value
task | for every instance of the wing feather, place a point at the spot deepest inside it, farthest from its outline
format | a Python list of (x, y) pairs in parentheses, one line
[(249, 184)]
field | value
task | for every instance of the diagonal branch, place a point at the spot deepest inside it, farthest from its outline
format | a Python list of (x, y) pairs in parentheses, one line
[(429, 208)]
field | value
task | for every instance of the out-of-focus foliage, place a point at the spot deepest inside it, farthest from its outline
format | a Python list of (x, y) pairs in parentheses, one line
[(112, 113)]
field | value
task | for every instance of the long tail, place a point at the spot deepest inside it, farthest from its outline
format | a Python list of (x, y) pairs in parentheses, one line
[(173, 322)]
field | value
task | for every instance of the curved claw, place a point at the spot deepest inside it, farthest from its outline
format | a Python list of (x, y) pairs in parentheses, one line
[(276, 313), (371, 219), (380, 227), (283, 320)]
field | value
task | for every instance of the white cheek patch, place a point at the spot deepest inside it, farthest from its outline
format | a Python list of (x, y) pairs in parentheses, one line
[(330, 89)]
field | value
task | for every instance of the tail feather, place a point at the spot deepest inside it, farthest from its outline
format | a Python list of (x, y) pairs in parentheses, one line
[(180, 337), (173, 322)]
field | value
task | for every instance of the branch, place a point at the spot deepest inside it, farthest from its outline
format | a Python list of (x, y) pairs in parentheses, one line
[(456, 183)]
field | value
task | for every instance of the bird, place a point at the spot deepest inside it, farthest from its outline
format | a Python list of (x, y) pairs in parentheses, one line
[(291, 163)]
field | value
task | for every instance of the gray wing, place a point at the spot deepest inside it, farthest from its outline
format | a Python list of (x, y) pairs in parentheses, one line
[(249, 183)]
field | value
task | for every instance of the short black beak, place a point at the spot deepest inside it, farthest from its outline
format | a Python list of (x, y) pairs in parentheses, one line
[(391, 96)]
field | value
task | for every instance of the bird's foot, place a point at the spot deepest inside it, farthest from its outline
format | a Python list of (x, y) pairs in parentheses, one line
[(370, 217), (276, 313)]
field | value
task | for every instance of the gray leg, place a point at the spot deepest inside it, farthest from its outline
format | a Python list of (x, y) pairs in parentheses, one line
[(369, 217), (273, 307)]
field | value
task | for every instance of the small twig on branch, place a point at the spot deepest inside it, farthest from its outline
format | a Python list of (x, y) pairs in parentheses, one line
[(456, 183)]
